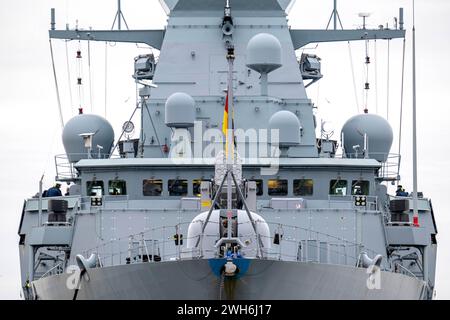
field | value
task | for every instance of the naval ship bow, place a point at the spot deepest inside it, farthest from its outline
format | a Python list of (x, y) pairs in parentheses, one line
[(227, 193)]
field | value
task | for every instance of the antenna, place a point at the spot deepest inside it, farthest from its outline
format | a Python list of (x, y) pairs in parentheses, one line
[(364, 15), (40, 201), (415, 211), (87, 139), (335, 16), (119, 17), (326, 129), (128, 128), (99, 148)]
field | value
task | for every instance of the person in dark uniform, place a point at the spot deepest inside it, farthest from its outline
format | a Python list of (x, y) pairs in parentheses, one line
[(400, 192), (54, 191), (28, 288)]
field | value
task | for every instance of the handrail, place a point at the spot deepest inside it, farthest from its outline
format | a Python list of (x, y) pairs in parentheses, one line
[(45, 274), (134, 248), (407, 270), (389, 168), (65, 169)]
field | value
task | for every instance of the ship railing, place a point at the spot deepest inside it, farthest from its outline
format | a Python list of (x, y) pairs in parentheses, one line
[(65, 170), (57, 269), (287, 243), (390, 168), (308, 245), (403, 270)]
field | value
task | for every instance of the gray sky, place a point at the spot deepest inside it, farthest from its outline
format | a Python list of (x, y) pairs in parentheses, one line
[(30, 128)]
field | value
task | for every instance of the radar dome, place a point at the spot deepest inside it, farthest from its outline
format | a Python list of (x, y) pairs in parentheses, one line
[(264, 53), (288, 127), (379, 136), (87, 123), (180, 110)]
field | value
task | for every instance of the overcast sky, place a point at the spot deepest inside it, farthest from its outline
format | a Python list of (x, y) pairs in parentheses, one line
[(30, 128)]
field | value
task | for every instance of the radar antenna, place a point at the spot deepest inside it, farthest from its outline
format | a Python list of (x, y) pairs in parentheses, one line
[(326, 130), (364, 15), (335, 16), (128, 128), (119, 17)]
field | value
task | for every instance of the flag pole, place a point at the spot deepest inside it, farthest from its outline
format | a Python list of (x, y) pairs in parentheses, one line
[(415, 210), (229, 139)]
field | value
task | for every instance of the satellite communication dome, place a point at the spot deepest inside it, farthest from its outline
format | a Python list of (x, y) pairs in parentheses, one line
[(264, 53), (180, 110), (288, 127), (379, 135), (102, 140)]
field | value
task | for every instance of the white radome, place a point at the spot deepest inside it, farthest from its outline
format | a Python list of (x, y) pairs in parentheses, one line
[(245, 233)]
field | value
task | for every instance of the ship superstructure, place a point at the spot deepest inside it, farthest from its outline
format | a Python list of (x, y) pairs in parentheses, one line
[(278, 213)]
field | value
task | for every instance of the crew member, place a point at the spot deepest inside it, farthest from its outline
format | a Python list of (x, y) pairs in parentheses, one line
[(54, 191), (28, 288), (400, 192)]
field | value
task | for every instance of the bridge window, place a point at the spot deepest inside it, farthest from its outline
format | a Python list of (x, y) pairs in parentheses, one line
[(196, 183), (360, 187), (338, 187), (277, 187), (95, 188), (196, 187), (303, 187), (117, 187), (259, 187), (178, 187), (152, 187)]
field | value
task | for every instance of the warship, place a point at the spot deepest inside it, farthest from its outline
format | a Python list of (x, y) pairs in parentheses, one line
[(227, 193)]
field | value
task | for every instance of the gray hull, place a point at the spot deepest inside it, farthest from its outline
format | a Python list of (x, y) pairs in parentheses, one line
[(263, 279)]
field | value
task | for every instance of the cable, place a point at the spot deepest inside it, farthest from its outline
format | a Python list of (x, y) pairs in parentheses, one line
[(351, 64), (353, 76), (68, 75), (56, 84), (336, 14), (90, 74)]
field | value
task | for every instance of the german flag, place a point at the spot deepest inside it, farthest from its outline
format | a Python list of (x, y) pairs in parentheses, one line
[(225, 123), (225, 117)]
